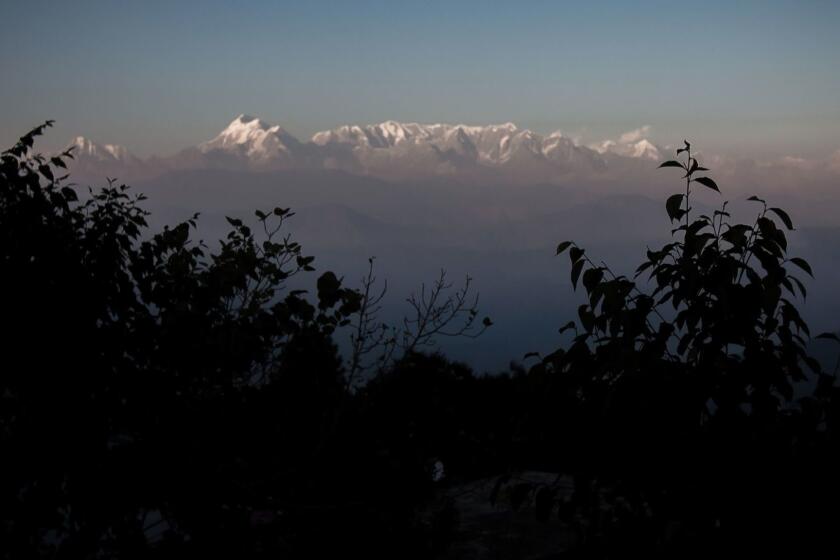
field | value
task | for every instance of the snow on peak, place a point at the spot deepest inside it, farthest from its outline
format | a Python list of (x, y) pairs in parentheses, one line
[(645, 149), (383, 135), (486, 143), (82, 145), (242, 128), (252, 137), (393, 148), (632, 144), (85, 148)]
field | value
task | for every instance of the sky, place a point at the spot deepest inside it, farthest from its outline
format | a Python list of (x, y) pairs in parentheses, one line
[(745, 78)]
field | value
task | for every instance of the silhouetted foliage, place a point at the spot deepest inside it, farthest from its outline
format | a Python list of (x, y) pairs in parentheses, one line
[(163, 399), (160, 397), (684, 385)]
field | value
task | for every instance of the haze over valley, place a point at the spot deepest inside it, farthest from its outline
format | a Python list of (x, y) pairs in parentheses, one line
[(491, 202)]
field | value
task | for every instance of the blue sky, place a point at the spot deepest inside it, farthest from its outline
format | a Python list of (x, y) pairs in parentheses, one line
[(742, 77)]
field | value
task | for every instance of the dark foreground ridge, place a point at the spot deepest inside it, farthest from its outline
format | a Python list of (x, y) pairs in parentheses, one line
[(161, 399)]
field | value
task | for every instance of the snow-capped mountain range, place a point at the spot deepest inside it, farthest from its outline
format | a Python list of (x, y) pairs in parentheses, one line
[(390, 150), (84, 148)]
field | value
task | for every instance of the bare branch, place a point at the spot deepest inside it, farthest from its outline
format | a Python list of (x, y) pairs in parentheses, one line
[(437, 314), (368, 335)]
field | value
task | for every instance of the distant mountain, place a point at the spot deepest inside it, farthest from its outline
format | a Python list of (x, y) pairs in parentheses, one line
[(91, 159), (633, 144), (390, 150), (393, 148), (84, 148), (255, 141)]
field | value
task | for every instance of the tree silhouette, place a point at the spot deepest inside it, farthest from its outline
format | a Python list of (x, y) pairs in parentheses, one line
[(685, 389), (161, 398)]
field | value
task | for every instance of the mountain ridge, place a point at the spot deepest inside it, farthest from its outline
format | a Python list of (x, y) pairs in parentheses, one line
[(389, 150)]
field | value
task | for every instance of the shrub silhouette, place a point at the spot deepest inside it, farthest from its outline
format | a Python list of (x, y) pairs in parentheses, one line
[(685, 383), (160, 398), (129, 364)]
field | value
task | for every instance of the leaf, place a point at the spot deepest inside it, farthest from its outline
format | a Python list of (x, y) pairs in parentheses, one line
[(813, 364), (576, 270), (644, 266), (685, 341), (754, 198), (707, 182), (563, 246), (567, 326), (695, 165), (673, 206), (737, 234), (803, 264), (780, 239), (671, 163), (328, 286), (595, 295), (304, 261), (69, 194), (575, 254), (487, 322), (829, 336), (181, 233), (800, 285), (587, 318), (46, 172), (592, 277), (767, 227), (784, 217)]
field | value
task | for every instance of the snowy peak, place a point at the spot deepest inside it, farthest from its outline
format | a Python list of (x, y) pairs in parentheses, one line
[(84, 148), (646, 150), (252, 138), (489, 144), (383, 135), (393, 148), (392, 132), (490, 151), (94, 161), (244, 128), (389, 149), (632, 144)]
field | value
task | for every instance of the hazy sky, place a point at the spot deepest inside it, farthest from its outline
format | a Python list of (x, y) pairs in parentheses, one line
[(744, 77)]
